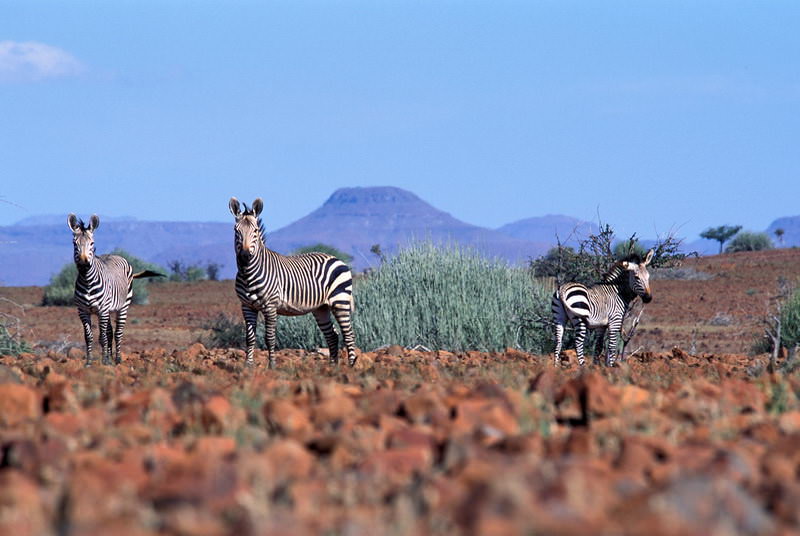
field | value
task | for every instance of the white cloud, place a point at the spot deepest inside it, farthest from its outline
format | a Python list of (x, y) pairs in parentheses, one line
[(31, 61)]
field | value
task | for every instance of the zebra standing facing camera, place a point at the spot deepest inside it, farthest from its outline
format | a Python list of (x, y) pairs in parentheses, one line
[(292, 285), (601, 306), (104, 286)]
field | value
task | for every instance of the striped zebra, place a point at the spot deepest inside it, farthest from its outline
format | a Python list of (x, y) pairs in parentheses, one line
[(292, 285), (601, 307), (104, 286)]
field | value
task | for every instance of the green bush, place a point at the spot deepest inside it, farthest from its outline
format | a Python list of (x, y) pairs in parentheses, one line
[(595, 255), (10, 342), (790, 321), (186, 272), (324, 248), (61, 289), (441, 297), (749, 241)]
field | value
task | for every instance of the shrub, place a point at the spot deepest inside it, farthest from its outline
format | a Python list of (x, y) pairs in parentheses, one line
[(324, 248), (595, 254), (749, 241), (61, 289), (441, 297), (10, 341), (790, 321), (184, 272)]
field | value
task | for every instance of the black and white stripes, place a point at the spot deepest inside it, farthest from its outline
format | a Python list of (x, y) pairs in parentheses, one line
[(104, 286), (275, 284), (601, 307)]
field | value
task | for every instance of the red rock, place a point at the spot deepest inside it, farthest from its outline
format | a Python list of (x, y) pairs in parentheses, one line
[(289, 459), (580, 443), (492, 419), (741, 395), (18, 403), (288, 419), (632, 397), (23, 511), (544, 383), (593, 395), (213, 447), (59, 396), (424, 406), (194, 351), (218, 414), (397, 465), (411, 437), (789, 422), (334, 409)]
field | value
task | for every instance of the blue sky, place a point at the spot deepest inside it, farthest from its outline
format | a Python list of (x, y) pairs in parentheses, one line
[(655, 115)]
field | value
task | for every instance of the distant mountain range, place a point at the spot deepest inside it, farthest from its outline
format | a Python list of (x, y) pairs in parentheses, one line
[(352, 220)]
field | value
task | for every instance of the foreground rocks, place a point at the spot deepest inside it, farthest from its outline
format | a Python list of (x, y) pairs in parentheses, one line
[(192, 442)]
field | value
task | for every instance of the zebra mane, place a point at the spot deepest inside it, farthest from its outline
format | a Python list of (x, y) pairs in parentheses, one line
[(614, 273), (250, 212), (82, 225)]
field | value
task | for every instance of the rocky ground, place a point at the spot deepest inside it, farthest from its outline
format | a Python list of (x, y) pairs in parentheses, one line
[(180, 439), (192, 442)]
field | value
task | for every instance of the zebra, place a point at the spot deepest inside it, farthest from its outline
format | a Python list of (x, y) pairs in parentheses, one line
[(104, 285), (292, 285), (602, 306)]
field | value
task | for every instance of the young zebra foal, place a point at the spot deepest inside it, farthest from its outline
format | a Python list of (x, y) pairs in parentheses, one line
[(601, 306), (104, 286), (292, 285)]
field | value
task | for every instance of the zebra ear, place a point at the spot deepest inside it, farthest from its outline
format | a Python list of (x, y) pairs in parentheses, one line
[(258, 206), (626, 265), (94, 222), (72, 221), (236, 210), (649, 257)]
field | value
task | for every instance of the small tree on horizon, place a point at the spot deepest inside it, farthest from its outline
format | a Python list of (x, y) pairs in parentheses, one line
[(721, 234), (779, 232)]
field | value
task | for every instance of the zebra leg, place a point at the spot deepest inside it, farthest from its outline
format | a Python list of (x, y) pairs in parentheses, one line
[(270, 324), (122, 317), (110, 341), (323, 318), (600, 333), (580, 336), (86, 319), (250, 320), (559, 321), (342, 311), (614, 328), (104, 332)]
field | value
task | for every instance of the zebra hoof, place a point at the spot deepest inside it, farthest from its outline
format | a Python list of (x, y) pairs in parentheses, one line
[(351, 362)]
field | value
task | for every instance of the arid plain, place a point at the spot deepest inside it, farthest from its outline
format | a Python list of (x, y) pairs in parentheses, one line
[(690, 436)]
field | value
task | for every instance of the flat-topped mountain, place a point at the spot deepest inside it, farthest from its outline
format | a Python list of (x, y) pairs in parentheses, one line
[(355, 219), (352, 220)]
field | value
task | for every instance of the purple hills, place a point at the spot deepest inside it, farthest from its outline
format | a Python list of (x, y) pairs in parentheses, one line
[(351, 220)]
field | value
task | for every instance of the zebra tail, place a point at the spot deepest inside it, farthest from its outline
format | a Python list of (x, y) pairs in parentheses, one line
[(147, 273)]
